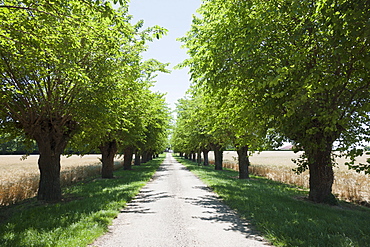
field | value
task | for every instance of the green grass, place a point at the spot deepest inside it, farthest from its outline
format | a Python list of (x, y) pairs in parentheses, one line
[(281, 213), (89, 207)]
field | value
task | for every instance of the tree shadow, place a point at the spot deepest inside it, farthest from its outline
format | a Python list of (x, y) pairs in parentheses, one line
[(162, 171), (217, 211), (138, 205), (146, 196)]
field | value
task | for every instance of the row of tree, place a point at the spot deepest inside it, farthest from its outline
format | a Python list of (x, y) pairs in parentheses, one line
[(16, 146), (268, 71), (72, 76)]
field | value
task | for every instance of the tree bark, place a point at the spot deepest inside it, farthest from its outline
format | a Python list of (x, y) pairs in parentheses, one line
[(108, 151), (137, 158), (192, 155), (128, 153), (199, 157), (321, 175), (243, 161), (146, 156), (218, 152), (49, 165), (52, 136), (150, 156), (205, 157)]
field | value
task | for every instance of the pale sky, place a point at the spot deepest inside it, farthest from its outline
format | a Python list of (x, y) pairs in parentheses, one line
[(176, 16)]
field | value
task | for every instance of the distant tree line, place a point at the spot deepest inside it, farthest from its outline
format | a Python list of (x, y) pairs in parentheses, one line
[(20, 145), (17, 146)]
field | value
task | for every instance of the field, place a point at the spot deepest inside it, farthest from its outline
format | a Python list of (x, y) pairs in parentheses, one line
[(20, 177), (277, 165), (85, 214)]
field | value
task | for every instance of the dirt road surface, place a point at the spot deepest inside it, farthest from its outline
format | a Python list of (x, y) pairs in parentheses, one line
[(177, 209)]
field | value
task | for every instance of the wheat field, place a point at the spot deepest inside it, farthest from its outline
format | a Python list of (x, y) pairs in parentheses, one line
[(19, 177), (277, 165)]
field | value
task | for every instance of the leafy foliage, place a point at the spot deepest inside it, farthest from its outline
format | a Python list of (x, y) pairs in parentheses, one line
[(299, 68), (72, 69)]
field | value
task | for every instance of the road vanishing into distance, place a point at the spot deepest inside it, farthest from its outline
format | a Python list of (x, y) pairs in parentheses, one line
[(176, 209)]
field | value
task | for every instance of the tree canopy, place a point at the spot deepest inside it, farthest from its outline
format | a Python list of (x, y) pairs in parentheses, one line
[(70, 68), (300, 67)]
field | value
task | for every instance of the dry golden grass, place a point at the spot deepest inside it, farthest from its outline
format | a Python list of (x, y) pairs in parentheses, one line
[(20, 178), (277, 165)]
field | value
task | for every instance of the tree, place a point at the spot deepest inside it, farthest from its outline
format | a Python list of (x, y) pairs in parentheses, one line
[(58, 68), (18, 145), (157, 120), (246, 131), (196, 129), (147, 132), (304, 64), (181, 139), (144, 103), (122, 128)]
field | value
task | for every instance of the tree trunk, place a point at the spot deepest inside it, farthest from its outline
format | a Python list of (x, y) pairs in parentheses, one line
[(243, 161), (218, 152), (192, 155), (52, 136), (128, 152), (146, 156), (321, 176), (199, 157), (49, 165), (137, 158), (108, 151), (150, 156), (186, 156), (218, 159), (205, 157)]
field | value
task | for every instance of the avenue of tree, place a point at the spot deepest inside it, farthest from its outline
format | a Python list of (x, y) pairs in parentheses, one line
[(270, 71), (72, 76)]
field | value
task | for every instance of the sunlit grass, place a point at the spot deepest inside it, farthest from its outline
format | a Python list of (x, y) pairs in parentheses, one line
[(278, 166), (89, 207), (283, 215)]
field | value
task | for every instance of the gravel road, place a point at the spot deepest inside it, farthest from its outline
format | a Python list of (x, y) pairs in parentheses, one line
[(177, 209)]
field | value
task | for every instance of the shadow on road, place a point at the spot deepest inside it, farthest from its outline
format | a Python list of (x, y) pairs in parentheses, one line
[(212, 209), (162, 171), (216, 211), (143, 198)]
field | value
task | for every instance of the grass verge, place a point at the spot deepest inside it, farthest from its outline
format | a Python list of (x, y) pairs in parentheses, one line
[(87, 210), (281, 213)]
